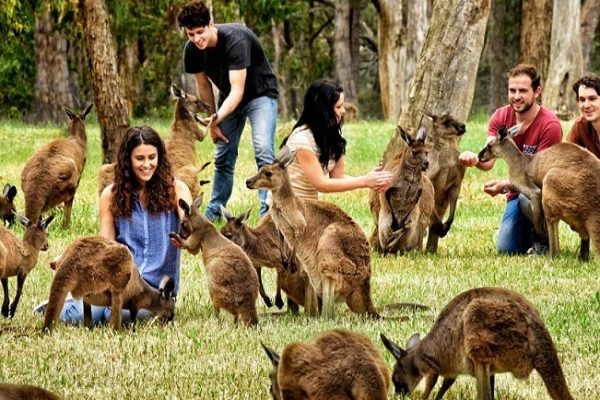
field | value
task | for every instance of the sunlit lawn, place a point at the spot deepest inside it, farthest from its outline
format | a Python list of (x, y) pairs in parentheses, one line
[(201, 356)]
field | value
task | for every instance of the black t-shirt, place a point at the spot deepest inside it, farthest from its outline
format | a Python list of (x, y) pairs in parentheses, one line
[(237, 48)]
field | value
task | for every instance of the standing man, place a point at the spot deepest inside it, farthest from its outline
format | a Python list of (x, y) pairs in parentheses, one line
[(539, 129), (586, 130), (231, 57)]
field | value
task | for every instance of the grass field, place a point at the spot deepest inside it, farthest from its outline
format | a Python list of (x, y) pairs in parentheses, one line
[(201, 356)]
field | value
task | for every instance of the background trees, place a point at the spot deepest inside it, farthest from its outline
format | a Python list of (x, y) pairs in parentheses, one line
[(371, 46)]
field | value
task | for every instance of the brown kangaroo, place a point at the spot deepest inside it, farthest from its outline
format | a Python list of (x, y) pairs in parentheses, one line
[(232, 280), (7, 204), (402, 214), (335, 365), (10, 391), (331, 247), (481, 332)]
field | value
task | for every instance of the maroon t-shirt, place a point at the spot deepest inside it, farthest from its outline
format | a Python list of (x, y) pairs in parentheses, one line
[(584, 134), (544, 131)]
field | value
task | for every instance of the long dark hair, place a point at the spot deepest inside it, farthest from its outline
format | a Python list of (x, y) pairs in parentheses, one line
[(160, 189), (319, 116)]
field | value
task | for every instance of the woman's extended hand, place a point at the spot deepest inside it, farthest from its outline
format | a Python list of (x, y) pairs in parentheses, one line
[(378, 179)]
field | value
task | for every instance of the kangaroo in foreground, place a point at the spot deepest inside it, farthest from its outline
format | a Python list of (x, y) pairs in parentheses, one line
[(231, 277), (481, 332), (335, 365), (25, 392), (103, 273), (333, 250), (528, 174), (402, 214)]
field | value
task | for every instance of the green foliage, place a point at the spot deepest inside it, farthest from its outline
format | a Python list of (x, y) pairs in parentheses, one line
[(202, 356)]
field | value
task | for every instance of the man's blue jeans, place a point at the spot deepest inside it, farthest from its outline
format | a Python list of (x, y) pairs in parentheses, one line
[(516, 234), (72, 313), (262, 113)]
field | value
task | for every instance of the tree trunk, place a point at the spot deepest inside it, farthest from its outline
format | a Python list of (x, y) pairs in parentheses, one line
[(501, 50), (444, 80), (52, 89), (281, 73), (129, 68), (401, 34), (566, 58), (535, 35), (342, 49), (590, 14), (108, 96)]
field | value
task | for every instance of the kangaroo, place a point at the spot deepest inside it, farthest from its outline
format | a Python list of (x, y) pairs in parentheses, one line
[(7, 204), (232, 280), (103, 273), (335, 365), (332, 249), (262, 245), (481, 332), (527, 174), (401, 215), (19, 257), (446, 174), (10, 391)]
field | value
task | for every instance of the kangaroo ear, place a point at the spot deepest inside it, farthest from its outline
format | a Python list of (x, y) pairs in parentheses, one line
[(198, 201), (23, 220), (422, 134), (502, 133), (45, 222), (405, 136), (184, 206), (166, 287), (226, 213), (244, 217), (413, 340), (9, 192), (273, 356), (85, 112), (69, 113), (429, 115), (285, 156), (392, 347), (177, 92)]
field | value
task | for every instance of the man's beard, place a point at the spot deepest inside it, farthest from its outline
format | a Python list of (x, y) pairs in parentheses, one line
[(526, 108)]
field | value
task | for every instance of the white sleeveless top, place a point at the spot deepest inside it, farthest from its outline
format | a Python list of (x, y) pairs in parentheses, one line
[(302, 138)]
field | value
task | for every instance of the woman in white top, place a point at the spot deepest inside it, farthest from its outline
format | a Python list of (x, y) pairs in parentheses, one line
[(317, 139)]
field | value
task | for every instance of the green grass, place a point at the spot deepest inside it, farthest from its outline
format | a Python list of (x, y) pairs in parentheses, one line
[(201, 356)]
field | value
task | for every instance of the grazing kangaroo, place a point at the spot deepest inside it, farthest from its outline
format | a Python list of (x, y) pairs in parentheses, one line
[(335, 365), (332, 249), (481, 332), (103, 273), (528, 174), (263, 245), (232, 280), (402, 214), (446, 174)]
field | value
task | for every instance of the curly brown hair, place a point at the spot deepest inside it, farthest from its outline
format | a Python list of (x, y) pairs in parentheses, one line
[(194, 14), (160, 189)]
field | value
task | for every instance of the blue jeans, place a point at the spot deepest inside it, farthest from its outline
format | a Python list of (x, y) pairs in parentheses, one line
[(262, 113), (516, 234), (72, 313)]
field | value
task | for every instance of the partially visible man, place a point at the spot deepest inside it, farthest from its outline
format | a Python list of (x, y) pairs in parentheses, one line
[(586, 129), (231, 57), (538, 129)]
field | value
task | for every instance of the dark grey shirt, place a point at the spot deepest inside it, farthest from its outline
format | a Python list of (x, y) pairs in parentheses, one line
[(237, 48)]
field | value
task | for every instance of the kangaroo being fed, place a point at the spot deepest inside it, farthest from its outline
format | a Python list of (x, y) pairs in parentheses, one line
[(481, 332), (333, 250)]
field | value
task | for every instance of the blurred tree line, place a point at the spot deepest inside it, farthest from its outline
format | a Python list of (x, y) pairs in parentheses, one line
[(371, 46)]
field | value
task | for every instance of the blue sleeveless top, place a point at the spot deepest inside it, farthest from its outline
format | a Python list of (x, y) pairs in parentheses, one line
[(147, 237)]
